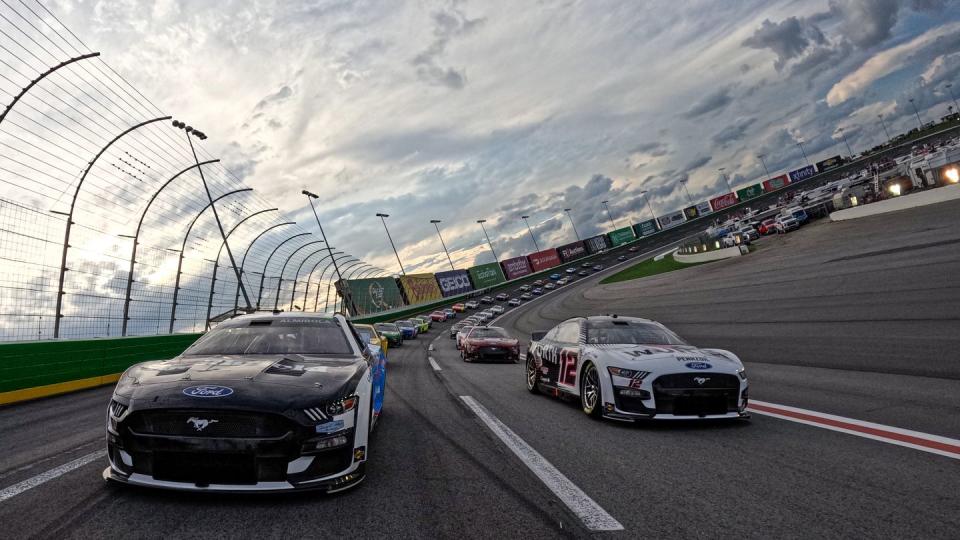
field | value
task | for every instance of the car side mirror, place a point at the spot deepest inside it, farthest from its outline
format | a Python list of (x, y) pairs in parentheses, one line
[(537, 336)]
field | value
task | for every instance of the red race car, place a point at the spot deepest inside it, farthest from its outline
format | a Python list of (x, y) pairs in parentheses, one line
[(459, 307), (490, 343), (438, 316)]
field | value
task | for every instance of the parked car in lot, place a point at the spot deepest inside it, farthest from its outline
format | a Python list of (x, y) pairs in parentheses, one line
[(502, 296), (785, 224), (526, 296), (525, 288), (554, 276), (407, 328), (459, 307), (515, 302), (550, 286), (472, 304), (798, 214), (391, 332), (438, 316), (767, 226), (537, 291), (571, 270), (496, 310), (748, 233), (490, 343), (486, 300)]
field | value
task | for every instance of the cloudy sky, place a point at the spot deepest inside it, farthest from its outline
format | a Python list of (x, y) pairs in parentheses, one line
[(459, 110)]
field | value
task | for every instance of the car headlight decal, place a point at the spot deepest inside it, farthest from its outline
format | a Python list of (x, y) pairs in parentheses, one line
[(627, 373)]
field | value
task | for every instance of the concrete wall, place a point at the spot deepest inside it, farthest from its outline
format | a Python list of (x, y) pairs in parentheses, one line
[(714, 255), (912, 200)]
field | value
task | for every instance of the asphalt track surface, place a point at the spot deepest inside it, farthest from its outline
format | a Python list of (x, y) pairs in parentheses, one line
[(859, 319)]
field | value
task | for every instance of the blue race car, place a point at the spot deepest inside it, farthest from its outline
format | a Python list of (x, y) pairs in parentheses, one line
[(408, 329), (554, 276)]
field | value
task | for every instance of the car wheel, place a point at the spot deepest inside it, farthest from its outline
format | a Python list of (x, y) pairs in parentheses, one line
[(532, 375), (591, 395)]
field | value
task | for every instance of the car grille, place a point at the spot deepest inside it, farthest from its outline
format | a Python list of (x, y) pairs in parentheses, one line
[(210, 468), (696, 394), (200, 423), (316, 414), (117, 409)]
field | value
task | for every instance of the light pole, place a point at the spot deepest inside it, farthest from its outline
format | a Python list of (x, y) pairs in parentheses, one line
[(804, 152), (950, 89), (529, 230), (762, 161), (917, 112), (725, 179), (687, 191), (436, 223), (489, 243), (383, 218), (609, 215), (188, 131), (844, 136), (645, 192), (884, 124), (572, 224), (323, 235)]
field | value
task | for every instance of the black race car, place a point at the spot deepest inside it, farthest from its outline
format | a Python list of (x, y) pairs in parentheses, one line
[(260, 403)]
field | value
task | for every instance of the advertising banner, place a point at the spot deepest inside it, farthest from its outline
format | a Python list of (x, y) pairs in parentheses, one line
[(372, 295), (420, 288), (774, 184), (802, 174), (572, 251), (703, 208), (690, 212), (454, 282), (486, 275), (516, 267), (542, 260), (671, 220), (723, 201), (750, 192), (622, 236), (829, 163), (645, 228), (597, 243)]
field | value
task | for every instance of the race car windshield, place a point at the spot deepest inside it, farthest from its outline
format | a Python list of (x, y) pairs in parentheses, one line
[(387, 327), (630, 333), (301, 339), (365, 334), (489, 333)]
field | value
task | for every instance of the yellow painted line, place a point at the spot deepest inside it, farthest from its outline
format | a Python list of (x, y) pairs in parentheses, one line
[(25, 394)]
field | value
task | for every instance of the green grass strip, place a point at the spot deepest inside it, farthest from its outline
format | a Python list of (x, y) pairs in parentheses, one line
[(647, 268)]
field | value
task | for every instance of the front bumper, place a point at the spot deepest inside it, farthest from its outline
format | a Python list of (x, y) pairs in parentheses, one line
[(674, 397), (493, 354)]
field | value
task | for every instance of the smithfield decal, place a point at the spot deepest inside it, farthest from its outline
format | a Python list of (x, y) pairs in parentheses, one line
[(330, 427), (698, 365), (207, 391)]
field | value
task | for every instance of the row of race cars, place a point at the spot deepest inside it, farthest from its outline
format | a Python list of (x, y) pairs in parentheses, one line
[(273, 402)]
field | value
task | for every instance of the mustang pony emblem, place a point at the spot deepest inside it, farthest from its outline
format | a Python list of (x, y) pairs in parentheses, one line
[(701, 380), (200, 424)]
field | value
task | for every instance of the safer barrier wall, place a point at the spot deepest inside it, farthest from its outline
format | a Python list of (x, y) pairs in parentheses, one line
[(43, 368)]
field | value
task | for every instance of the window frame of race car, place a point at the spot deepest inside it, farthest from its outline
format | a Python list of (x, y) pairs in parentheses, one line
[(261, 403), (667, 379)]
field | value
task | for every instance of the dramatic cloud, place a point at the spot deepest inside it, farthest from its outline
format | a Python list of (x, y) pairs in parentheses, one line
[(712, 102), (787, 39), (733, 132)]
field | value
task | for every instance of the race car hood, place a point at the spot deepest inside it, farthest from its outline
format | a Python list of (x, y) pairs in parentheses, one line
[(665, 358), (293, 377)]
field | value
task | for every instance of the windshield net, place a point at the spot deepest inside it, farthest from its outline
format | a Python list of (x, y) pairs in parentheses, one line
[(321, 339), (629, 333)]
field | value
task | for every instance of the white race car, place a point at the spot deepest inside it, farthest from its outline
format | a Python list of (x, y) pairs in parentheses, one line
[(629, 368)]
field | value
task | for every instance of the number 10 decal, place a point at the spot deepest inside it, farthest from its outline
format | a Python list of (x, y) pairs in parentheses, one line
[(568, 368)]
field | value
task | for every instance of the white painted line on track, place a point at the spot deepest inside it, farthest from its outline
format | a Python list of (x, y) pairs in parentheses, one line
[(433, 364), (924, 442), (56, 472), (589, 512)]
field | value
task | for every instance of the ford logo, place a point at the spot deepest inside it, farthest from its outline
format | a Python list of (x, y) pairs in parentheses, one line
[(698, 365), (207, 391)]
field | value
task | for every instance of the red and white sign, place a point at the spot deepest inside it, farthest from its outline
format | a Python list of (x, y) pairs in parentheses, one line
[(774, 184), (515, 267), (723, 201), (542, 260)]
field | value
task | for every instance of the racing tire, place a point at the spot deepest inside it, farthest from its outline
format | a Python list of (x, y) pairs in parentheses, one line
[(531, 376), (591, 394)]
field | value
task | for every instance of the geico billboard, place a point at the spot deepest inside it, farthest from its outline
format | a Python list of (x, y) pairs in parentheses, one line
[(515, 267), (454, 282), (371, 295), (486, 275), (420, 288), (542, 260), (597, 243), (571, 251)]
